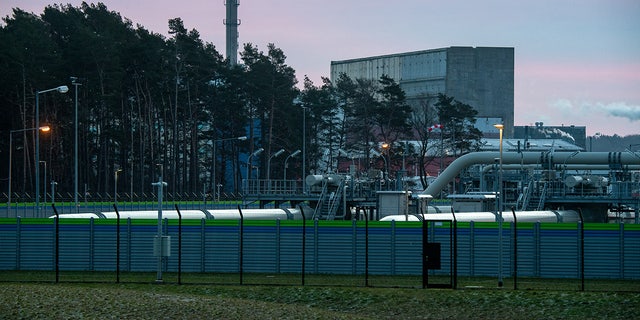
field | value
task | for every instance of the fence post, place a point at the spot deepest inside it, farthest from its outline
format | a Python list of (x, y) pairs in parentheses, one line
[(393, 247), (92, 234), (536, 241), (425, 244), (277, 245), (581, 240), (203, 237), (454, 279), (621, 249), (129, 231), (18, 244), (366, 251), (57, 244), (315, 246), (515, 249), (179, 244), (472, 250), (241, 244), (304, 239), (354, 245), (115, 207)]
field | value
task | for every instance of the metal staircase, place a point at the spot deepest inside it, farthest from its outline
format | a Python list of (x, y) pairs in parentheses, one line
[(535, 201), (526, 196), (329, 201), (543, 194)]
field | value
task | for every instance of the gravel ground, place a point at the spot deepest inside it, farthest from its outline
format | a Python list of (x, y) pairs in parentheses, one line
[(170, 301), (38, 301)]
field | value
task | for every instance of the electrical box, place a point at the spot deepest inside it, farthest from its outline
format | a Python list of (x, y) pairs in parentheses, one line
[(392, 203), (162, 246), (432, 256)]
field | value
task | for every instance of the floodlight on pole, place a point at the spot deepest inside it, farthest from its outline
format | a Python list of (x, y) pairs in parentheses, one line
[(74, 82), (293, 154), (276, 154), (385, 150), (255, 153), (11, 132), (215, 144), (60, 89)]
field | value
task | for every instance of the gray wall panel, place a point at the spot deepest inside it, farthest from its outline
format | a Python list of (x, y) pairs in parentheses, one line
[(544, 250)]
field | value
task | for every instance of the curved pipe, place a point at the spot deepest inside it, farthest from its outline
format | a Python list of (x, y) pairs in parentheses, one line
[(525, 158)]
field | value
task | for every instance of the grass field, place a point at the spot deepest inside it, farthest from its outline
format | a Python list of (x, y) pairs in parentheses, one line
[(259, 300)]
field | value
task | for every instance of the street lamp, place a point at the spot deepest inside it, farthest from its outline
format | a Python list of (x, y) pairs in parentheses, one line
[(385, 150), (215, 144), (11, 132), (500, 204), (249, 164), (276, 154), (60, 89), (75, 145), (295, 153)]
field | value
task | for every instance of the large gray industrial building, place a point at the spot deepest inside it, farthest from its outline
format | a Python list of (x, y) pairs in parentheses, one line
[(481, 77)]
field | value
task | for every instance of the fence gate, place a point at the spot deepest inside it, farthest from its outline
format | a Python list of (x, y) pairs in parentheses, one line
[(434, 260)]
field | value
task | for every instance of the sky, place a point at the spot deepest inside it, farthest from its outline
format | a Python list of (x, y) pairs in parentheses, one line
[(577, 62)]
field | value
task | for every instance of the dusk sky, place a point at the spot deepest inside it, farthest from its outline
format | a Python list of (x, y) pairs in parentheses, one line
[(577, 62)]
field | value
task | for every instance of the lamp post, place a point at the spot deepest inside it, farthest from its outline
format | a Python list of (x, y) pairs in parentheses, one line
[(249, 164), (115, 183), (11, 132), (60, 89), (385, 150), (158, 239), (45, 181), (276, 154), (293, 154), (53, 191), (75, 144), (500, 204), (215, 144), (304, 149)]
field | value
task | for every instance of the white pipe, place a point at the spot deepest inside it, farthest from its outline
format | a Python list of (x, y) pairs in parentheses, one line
[(220, 214), (558, 166), (525, 158), (522, 216)]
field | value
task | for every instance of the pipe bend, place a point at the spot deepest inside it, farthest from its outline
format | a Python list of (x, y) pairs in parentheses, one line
[(524, 158)]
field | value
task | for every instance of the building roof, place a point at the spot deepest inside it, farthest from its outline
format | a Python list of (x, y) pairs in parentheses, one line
[(529, 145)]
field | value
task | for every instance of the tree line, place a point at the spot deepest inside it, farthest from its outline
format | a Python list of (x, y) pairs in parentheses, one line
[(150, 106)]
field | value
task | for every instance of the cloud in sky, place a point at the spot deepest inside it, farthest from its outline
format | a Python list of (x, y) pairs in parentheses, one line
[(613, 109), (621, 109)]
